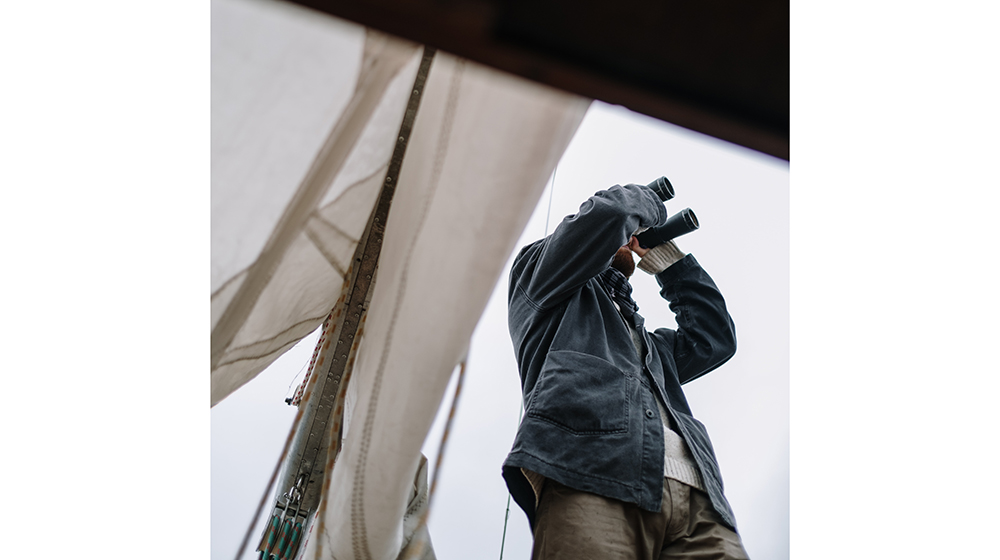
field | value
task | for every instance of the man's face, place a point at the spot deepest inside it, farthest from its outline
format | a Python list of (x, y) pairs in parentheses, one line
[(623, 261)]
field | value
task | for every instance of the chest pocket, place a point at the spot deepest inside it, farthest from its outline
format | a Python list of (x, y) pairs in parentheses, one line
[(582, 394)]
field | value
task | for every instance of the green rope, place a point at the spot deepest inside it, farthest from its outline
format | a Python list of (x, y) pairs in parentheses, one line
[(286, 535), (293, 545), (269, 537)]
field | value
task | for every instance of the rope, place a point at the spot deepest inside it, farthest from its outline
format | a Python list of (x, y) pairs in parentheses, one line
[(418, 551), (520, 410), (297, 398), (447, 430), (271, 482)]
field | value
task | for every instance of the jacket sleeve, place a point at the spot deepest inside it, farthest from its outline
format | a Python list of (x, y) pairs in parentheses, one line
[(706, 335), (584, 243)]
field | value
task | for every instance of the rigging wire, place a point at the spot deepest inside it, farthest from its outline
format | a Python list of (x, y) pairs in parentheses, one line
[(520, 410), (503, 539), (551, 190), (418, 551)]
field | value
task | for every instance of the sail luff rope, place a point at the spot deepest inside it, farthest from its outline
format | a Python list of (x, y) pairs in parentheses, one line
[(520, 409)]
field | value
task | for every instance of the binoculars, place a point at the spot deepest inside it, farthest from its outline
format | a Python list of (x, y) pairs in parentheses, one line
[(677, 225)]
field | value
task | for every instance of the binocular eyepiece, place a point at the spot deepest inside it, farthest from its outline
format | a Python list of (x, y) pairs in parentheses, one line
[(662, 188), (677, 225)]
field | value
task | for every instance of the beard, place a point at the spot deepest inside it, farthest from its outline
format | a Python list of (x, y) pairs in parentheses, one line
[(622, 262)]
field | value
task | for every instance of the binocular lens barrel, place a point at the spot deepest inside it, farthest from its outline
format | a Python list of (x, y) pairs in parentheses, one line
[(677, 225), (662, 188)]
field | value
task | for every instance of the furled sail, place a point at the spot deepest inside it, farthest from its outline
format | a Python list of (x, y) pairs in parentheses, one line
[(306, 112)]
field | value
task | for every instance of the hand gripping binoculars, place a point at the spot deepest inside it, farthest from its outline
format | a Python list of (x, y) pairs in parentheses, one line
[(677, 225)]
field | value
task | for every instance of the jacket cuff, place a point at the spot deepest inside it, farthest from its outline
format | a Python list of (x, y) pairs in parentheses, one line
[(678, 270), (659, 258)]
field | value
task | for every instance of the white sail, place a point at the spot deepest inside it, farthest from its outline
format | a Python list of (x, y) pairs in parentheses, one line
[(306, 110)]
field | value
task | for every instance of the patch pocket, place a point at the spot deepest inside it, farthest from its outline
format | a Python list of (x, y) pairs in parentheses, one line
[(581, 394)]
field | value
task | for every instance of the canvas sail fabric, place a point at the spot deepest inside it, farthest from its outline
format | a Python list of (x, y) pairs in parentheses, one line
[(305, 113), (483, 147)]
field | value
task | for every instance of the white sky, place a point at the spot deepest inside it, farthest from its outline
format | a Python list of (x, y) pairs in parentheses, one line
[(104, 315), (741, 199)]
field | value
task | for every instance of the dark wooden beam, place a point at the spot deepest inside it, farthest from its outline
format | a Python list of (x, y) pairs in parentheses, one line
[(719, 67)]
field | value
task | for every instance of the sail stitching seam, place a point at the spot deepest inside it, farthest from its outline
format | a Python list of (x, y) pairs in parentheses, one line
[(310, 192), (266, 340), (317, 242), (245, 269), (359, 532)]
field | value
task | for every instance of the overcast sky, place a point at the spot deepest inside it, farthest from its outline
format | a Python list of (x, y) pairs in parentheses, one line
[(741, 199), (104, 228)]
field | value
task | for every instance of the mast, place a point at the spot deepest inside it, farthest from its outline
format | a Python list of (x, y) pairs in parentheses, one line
[(319, 429)]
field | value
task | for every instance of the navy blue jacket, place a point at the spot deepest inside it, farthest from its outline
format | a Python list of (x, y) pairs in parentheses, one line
[(590, 420)]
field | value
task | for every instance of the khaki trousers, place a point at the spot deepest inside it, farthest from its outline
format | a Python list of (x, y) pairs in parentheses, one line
[(575, 525)]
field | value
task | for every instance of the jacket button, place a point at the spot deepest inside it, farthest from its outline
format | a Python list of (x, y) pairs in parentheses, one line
[(649, 413)]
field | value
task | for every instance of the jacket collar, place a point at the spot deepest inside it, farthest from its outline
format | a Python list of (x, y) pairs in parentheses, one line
[(621, 291)]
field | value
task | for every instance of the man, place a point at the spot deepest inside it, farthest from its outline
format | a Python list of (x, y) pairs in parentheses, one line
[(609, 462)]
